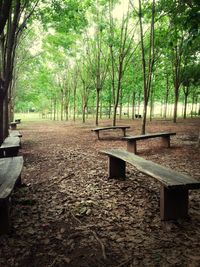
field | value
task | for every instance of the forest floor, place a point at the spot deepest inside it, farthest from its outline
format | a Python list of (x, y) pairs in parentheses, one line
[(68, 214)]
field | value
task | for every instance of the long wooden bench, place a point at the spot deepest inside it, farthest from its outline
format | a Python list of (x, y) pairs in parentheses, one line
[(174, 185), (15, 133), (123, 128), (132, 140), (10, 146), (10, 176)]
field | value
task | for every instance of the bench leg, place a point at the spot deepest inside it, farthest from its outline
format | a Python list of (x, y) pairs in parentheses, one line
[(166, 141), (173, 203), (13, 127), (131, 146), (116, 168), (97, 134), (4, 216), (124, 132)]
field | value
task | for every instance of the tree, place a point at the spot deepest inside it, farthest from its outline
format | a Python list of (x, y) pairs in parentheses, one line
[(14, 18), (147, 65)]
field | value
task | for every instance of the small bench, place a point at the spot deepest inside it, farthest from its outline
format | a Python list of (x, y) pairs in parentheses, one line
[(13, 125), (132, 140), (18, 121), (10, 146), (123, 128), (174, 185), (138, 116), (10, 175)]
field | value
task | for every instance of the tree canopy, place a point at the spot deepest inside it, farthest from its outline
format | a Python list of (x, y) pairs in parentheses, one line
[(76, 58)]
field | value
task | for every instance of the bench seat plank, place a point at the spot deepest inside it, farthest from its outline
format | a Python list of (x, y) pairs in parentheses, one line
[(146, 136), (10, 146), (110, 128), (10, 141), (166, 176), (10, 170), (123, 128), (131, 140), (10, 176), (15, 133)]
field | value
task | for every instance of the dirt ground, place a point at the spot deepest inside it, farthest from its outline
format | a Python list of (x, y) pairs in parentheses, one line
[(68, 214)]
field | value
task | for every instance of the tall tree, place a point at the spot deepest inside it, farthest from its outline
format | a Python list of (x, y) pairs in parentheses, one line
[(147, 64)]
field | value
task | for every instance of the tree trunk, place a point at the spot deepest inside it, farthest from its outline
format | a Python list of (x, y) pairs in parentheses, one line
[(62, 105), (166, 96), (84, 109), (97, 106), (176, 104), (186, 93), (152, 105), (1, 119), (54, 110), (133, 106), (74, 107)]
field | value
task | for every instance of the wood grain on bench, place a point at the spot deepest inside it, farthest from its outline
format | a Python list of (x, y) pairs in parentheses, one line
[(15, 133), (98, 129), (174, 185), (132, 140), (10, 175)]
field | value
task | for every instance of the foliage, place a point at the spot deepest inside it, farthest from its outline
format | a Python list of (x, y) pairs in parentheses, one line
[(66, 66)]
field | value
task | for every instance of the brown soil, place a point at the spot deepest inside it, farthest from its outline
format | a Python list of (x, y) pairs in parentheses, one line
[(67, 213)]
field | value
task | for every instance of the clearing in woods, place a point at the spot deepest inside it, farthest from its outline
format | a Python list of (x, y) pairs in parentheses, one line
[(69, 214)]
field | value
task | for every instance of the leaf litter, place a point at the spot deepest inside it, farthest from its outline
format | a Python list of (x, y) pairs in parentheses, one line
[(69, 214)]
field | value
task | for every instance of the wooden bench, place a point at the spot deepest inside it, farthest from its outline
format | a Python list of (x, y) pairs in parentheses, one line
[(13, 125), (138, 116), (132, 140), (10, 147), (123, 128), (15, 133), (174, 185), (18, 121), (10, 175)]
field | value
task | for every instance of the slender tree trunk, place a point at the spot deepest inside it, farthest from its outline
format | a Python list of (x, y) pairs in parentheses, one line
[(67, 110), (133, 105), (62, 106), (97, 106), (166, 96), (186, 93), (84, 109), (176, 104), (152, 104), (54, 109), (128, 110), (101, 109), (147, 76), (1, 119), (110, 103), (74, 106), (121, 106), (6, 116)]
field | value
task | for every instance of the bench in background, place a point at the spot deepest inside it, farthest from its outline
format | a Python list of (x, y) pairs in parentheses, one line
[(10, 147), (10, 176), (123, 128), (174, 185), (132, 140), (138, 116), (13, 125), (18, 120)]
